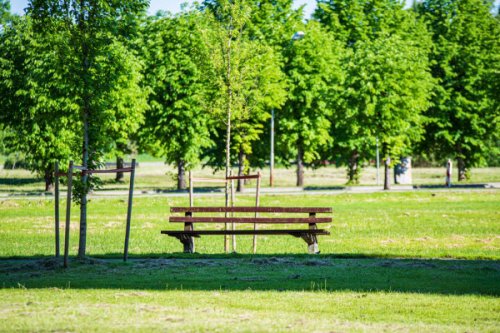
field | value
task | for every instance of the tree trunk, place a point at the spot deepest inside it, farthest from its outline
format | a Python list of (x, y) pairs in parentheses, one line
[(353, 168), (300, 167), (181, 175), (86, 110), (119, 165), (241, 171), (462, 169), (387, 173), (49, 179), (82, 244)]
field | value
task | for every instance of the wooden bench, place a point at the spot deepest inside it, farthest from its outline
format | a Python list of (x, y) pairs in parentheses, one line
[(309, 235)]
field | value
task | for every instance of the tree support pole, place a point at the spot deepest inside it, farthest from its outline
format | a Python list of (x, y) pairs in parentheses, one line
[(56, 206), (129, 210), (68, 214)]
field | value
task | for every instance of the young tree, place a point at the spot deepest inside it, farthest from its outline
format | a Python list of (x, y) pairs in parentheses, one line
[(100, 73), (177, 124), (245, 76), (463, 120)]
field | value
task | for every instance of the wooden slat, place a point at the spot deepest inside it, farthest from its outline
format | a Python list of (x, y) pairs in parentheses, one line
[(246, 232), (208, 180), (281, 220), (243, 177), (251, 209), (108, 171)]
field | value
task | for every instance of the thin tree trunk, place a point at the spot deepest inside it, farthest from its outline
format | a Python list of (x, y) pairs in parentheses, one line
[(353, 171), (181, 175), (82, 244), (241, 171), (387, 173), (49, 179), (119, 165), (300, 167), (462, 169), (228, 129)]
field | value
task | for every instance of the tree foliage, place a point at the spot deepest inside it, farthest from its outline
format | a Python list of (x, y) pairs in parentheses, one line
[(98, 74), (464, 119), (177, 124), (314, 78), (387, 81)]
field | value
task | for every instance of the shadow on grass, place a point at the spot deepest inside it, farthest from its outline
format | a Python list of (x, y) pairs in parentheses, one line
[(256, 272)]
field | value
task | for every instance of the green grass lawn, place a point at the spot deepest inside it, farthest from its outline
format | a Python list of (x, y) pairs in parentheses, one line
[(416, 261)]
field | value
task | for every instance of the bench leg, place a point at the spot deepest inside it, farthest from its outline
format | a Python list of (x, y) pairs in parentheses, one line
[(188, 243), (312, 243), (312, 240)]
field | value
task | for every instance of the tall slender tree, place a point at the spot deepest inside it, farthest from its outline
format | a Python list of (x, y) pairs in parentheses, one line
[(245, 73)]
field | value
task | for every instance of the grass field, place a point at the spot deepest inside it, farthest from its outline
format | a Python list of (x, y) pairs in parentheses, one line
[(155, 176), (416, 261)]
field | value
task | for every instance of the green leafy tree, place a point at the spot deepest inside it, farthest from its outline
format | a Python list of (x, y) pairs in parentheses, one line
[(314, 77), (464, 119), (387, 82), (4, 11), (37, 115), (177, 124), (99, 74)]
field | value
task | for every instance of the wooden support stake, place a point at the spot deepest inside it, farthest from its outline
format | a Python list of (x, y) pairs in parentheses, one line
[(256, 214), (232, 215), (190, 189), (56, 206), (129, 210), (68, 214)]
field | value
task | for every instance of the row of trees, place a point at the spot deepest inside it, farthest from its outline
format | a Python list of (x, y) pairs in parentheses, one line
[(82, 79)]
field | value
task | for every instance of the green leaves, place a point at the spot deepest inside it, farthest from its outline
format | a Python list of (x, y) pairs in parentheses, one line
[(463, 121)]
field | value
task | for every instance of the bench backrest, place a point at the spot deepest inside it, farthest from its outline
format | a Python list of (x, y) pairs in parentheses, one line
[(310, 210)]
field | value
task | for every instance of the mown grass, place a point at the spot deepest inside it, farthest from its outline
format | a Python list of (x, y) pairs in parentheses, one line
[(421, 261), (421, 224)]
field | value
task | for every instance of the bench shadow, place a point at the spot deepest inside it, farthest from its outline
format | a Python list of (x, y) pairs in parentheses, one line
[(341, 272)]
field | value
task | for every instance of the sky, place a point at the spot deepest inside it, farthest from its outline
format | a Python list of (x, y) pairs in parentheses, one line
[(17, 6)]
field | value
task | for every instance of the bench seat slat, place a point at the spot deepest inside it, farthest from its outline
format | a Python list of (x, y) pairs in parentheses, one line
[(247, 232), (251, 209), (280, 220)]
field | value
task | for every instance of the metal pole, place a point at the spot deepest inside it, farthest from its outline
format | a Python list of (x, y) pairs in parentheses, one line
[(56, 204), (68, 214), (129, 210), (378, 165), (271, 159)]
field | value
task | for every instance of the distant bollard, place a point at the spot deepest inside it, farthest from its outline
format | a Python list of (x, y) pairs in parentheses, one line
[(403, 172), (448, 173)]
